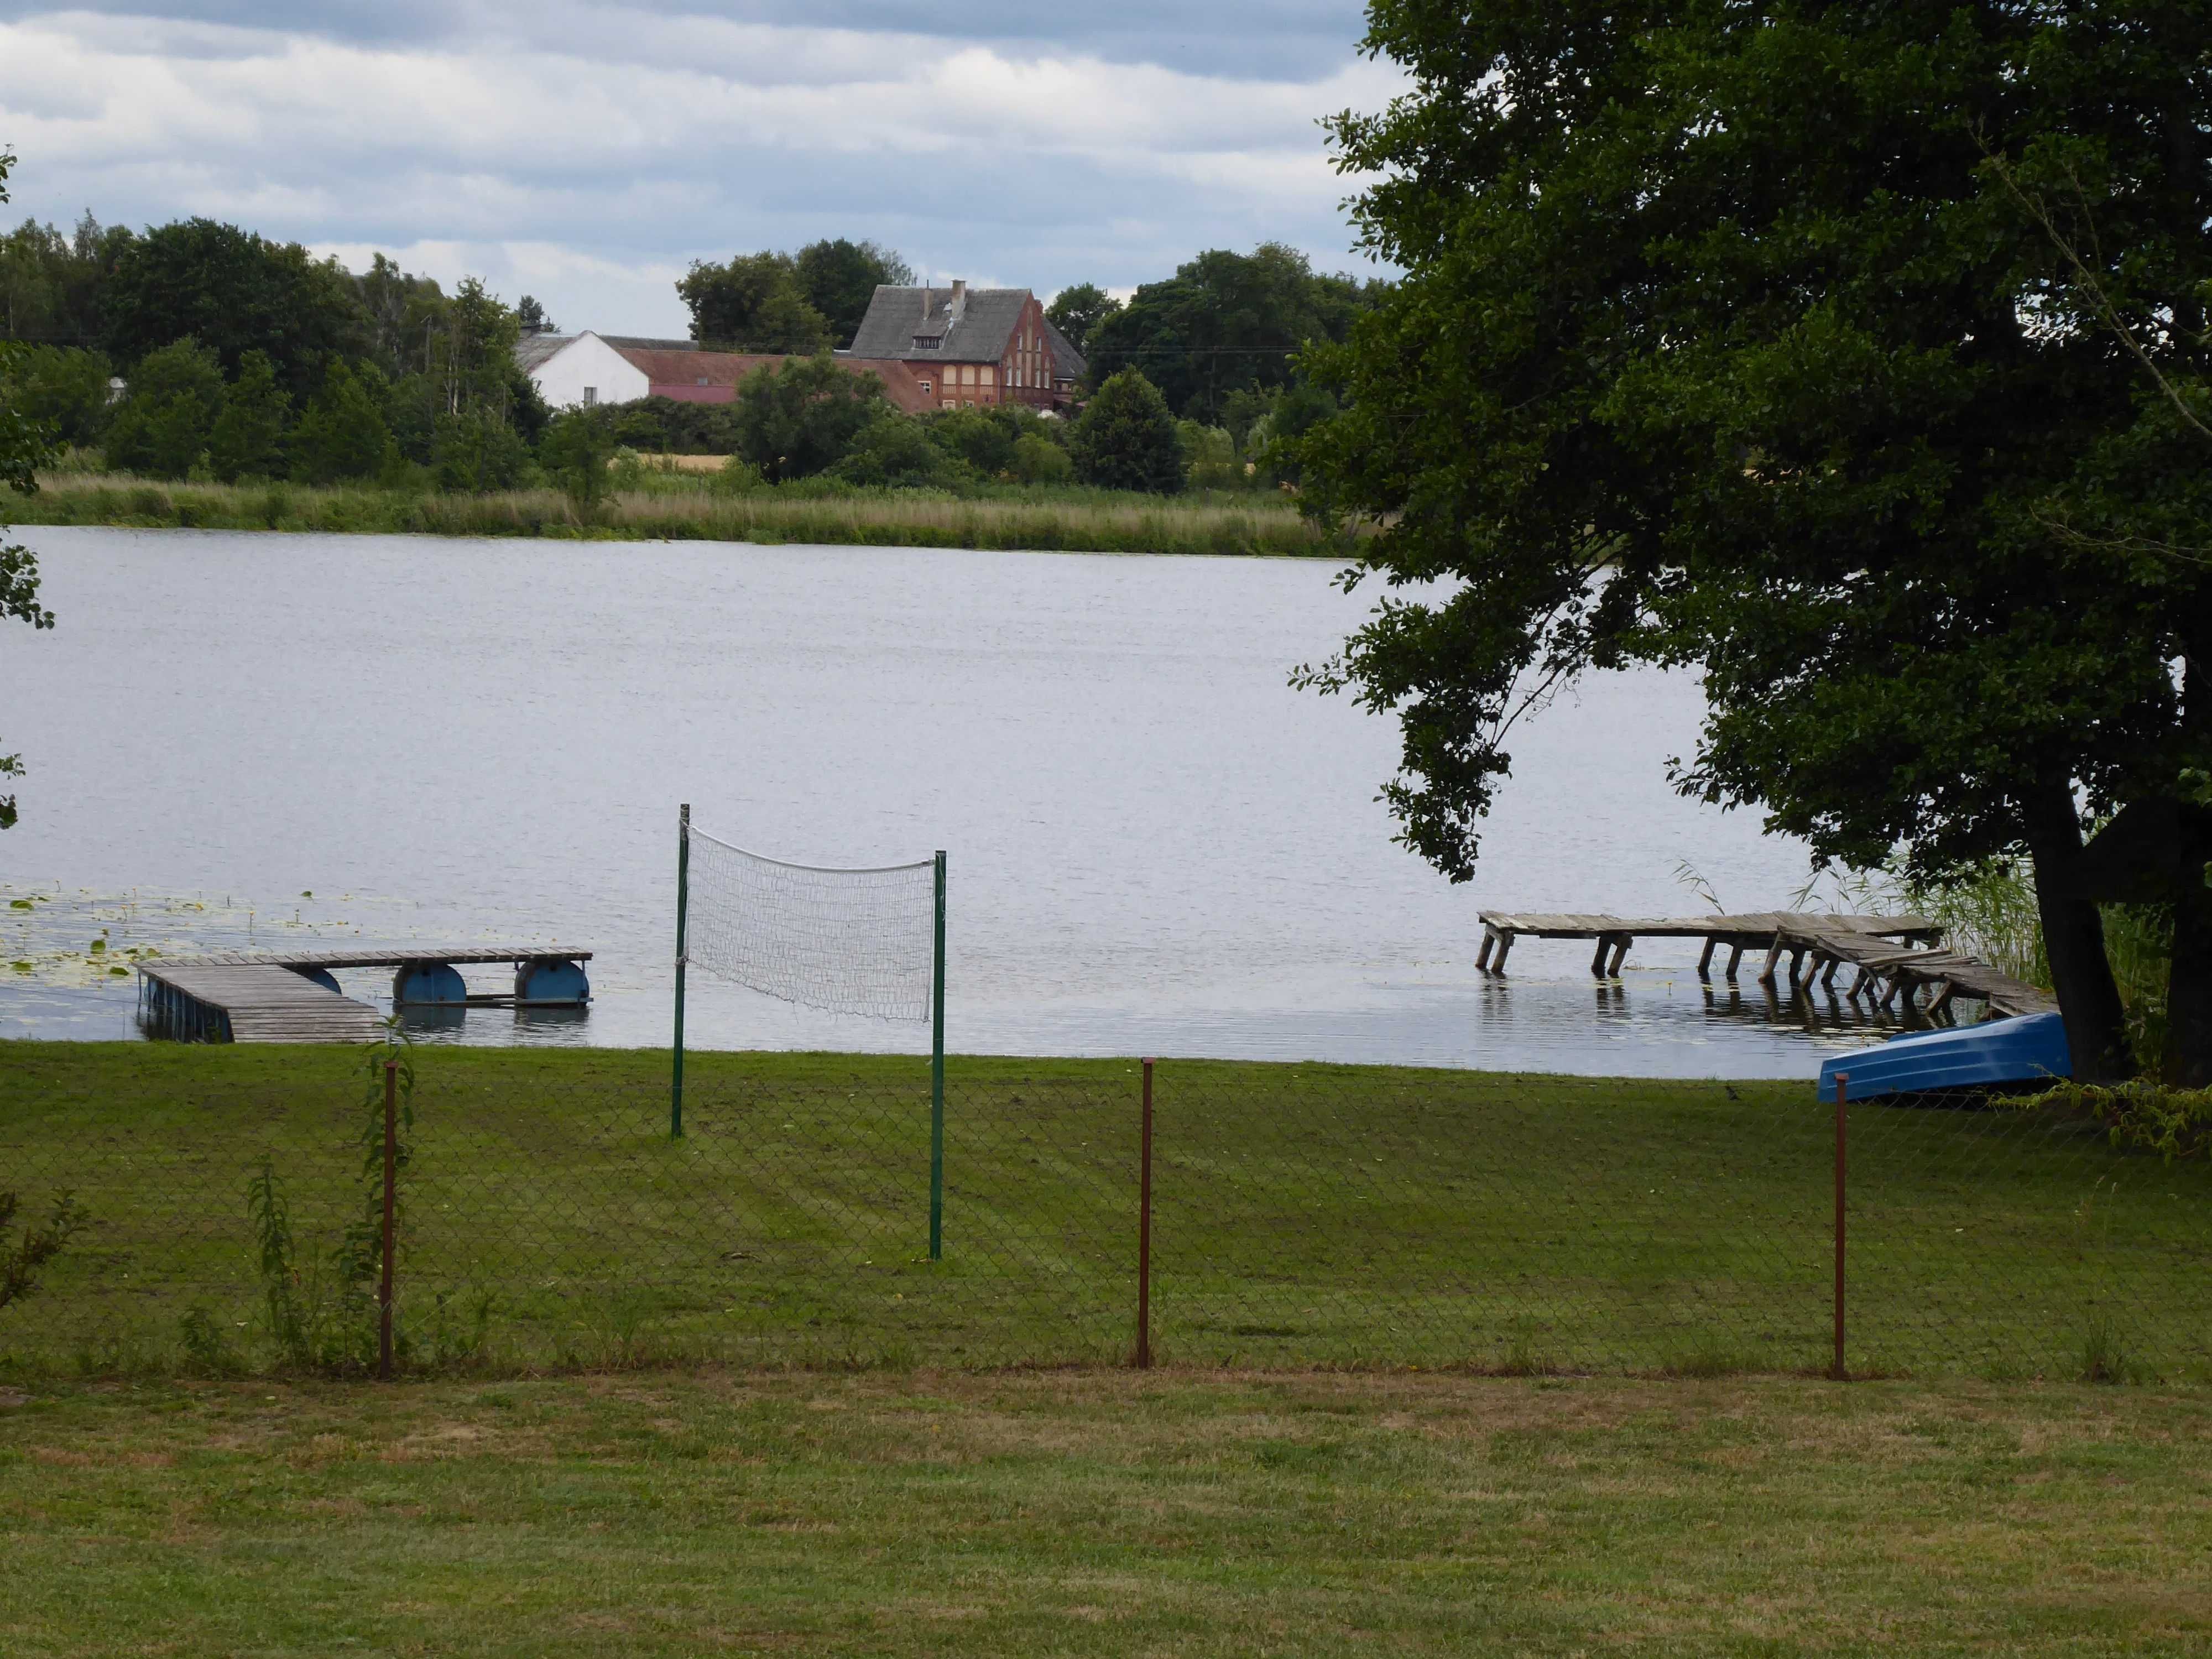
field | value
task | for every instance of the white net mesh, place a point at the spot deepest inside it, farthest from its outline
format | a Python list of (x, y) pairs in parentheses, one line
[(851, 941)]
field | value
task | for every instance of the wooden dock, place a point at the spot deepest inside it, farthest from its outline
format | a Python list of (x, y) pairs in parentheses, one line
[(1896, 958), (263, 996)]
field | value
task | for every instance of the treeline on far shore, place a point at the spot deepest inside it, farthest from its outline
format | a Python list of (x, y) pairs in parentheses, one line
[(657, 499)]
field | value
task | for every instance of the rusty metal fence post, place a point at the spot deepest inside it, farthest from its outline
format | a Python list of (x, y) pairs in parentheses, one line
[(1144, 1230), (390, 1183), (1843, 1096)]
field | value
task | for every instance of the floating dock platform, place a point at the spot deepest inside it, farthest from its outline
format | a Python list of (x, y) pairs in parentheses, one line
[(1896, 958), (254, 996)]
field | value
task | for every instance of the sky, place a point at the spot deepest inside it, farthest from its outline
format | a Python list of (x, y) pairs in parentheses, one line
[(586, 153)]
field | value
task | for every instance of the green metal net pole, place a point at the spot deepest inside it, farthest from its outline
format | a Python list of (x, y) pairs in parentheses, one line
[(682, 906), (937, 1080)]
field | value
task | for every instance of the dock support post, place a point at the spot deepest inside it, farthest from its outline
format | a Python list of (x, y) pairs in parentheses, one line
[(1504, 944), (1620, 944), (1735, 960), (1482, 956), (1773, 956), (1597, 960), (1706, 960), (1828, 973)]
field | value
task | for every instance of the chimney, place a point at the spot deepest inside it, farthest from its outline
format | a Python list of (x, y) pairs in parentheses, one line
[(959, 289)]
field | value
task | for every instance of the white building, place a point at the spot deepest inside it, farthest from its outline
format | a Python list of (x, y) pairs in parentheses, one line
[(578, 370)]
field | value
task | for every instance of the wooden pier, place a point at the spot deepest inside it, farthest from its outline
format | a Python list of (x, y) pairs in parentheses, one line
[(1896, 958), (256, 996)]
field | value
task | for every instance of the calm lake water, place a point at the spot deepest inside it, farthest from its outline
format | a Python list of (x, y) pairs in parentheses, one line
[(1155, 845)]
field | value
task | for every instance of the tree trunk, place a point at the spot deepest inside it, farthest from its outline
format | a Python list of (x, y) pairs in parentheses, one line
[(2074, 940)]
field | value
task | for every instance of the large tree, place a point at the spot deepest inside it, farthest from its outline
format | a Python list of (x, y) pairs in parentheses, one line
[(839, 278), (1855, 355), (1224, 323), (799, 417), (752, 302), (25, 444), (233, 293)]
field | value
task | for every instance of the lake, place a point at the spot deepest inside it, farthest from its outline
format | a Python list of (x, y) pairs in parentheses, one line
[(1155, 844)]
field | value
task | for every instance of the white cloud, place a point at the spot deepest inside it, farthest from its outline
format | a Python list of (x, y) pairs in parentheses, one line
[(590, 162)]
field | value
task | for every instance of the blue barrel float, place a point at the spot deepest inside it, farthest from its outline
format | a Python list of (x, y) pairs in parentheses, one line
[(428, 985), (552, 982)]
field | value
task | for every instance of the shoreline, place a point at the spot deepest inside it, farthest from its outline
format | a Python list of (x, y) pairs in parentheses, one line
[(764, 516)]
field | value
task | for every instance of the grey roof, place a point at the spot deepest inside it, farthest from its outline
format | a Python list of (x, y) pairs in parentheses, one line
[(1067, 362), (532, 349), (978, 334)]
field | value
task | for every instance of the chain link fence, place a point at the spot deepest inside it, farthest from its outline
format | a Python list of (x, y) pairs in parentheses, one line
[(1302, 1215)]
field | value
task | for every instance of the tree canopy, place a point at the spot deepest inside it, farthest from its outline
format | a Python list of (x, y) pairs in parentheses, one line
[(233, 293), (1225, 322), (1126, 439), (25, 445), (1855, 356), (839, 278), (1077, 310), (799, 417)]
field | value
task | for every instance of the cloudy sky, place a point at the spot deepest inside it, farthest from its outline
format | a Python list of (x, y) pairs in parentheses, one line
[(588, 153)]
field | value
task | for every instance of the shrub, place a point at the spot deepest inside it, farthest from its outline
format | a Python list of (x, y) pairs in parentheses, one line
[(20, 1264), (895, 450), (1125, 438), (163, 425), (799, 417)]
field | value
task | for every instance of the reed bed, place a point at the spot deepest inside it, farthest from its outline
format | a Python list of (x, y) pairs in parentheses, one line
[(1076, 522)]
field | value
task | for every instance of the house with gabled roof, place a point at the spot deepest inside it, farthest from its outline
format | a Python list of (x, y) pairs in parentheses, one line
[(966, 346)]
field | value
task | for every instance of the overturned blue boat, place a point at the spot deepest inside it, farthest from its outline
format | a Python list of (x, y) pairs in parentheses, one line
[(2029, 1050)]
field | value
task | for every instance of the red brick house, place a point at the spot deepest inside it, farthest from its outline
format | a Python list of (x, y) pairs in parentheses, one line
[(965, 347)]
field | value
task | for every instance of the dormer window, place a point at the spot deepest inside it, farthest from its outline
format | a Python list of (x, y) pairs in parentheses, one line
[(928, 342)]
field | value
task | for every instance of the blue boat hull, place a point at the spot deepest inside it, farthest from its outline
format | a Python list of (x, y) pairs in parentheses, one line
[(2030, 1049)]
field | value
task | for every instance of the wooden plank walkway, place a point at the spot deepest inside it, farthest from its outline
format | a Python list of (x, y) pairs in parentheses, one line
[(252, 1002), (1888, 973), (1754, 931), (1896, 958)]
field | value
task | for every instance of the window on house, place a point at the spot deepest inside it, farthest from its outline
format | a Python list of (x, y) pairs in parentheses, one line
[(928, 342), (591, 396), (990, 375), (927, 388)]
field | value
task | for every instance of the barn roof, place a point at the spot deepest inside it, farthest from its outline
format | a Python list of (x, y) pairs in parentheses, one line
[(665, 365)]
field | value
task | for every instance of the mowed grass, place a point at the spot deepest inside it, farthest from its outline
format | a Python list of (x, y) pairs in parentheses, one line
[(1189, 1513), (1304, 1215)]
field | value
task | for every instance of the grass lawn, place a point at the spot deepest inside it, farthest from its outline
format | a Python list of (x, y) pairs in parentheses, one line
[(1304, 1215), (1184, 1513)]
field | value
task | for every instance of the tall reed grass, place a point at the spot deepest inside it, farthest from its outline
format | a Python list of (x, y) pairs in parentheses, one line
[(1990, 911), (1087, 521)]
